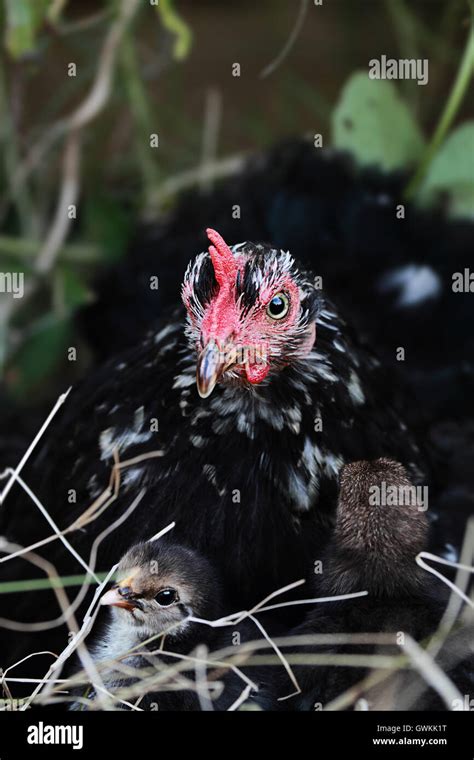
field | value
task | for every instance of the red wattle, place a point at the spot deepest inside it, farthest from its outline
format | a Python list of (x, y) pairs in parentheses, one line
[(255, 373)]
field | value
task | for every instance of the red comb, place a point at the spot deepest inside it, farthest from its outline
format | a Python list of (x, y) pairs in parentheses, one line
[(225, 267)]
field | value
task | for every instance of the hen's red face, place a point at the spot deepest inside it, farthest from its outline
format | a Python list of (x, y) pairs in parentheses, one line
[(249, 312)]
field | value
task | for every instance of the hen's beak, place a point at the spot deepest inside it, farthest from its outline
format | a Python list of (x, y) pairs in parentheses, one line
[(121, 595), (210, 366)]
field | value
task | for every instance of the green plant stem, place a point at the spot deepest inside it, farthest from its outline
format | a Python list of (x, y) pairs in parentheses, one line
[(176, 26), (37, 584), (27, 248), (451, 108)]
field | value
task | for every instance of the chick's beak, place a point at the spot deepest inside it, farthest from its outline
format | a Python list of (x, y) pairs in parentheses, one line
[(121, 595), (210, 366)]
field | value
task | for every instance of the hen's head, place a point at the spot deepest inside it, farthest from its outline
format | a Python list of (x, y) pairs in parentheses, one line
[(250, 313)]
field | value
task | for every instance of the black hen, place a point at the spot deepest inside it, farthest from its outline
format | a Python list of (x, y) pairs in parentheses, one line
[(250, 475), (392, 275)]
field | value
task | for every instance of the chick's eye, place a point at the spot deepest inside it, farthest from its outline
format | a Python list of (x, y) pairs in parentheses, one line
[(166, 596), (278, 306)]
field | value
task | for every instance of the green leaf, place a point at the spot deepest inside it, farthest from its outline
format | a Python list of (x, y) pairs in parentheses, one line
[(375, 125), (23, 19), (20, 31), (451, 174), (175, 24), (40, 352)]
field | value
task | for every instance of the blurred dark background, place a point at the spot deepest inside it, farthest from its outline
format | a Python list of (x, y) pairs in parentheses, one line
[(164, 70)]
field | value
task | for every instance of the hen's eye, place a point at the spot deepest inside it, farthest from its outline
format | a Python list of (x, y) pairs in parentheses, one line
[(166, 597), (278, 306)]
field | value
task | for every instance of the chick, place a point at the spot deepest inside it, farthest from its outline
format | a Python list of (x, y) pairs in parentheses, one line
[(161, 591), (381, 525)]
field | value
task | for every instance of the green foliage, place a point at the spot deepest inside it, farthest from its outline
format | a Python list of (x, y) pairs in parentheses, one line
[(175, 24), (451, 174), (373, 123), (458, 90), (24, 19)]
